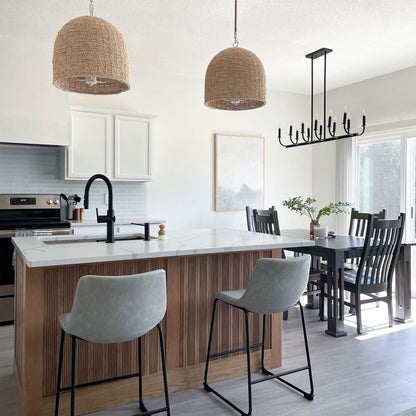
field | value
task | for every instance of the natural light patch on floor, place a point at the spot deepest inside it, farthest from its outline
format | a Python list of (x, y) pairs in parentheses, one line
[(373, 333), (375, 321)]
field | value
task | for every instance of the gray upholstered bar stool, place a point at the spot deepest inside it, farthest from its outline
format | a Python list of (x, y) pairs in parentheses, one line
[(275, 286), (109, 309)]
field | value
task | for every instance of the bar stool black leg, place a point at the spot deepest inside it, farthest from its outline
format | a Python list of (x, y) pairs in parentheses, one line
[(250, 398), (310, 395), (58, 383), (165, 379), (141, 404), (247, 350), (206, 387), (73, 368), (262, 344)]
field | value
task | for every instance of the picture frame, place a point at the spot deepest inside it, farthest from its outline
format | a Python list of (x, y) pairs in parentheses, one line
[(239, 172)]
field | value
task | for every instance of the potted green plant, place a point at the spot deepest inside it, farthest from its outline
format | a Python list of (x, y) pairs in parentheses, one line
[(307, 207)]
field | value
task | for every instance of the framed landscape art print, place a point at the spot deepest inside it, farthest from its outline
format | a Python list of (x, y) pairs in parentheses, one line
[(239, 172)]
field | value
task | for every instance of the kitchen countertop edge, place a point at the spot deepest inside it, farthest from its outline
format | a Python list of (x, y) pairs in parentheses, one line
[(36, 253)]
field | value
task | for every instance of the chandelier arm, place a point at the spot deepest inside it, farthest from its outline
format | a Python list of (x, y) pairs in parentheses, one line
[(347, 131), (280, 141), (303, 136), (292, 141), (331, 133), (362, 131), (318, 137)]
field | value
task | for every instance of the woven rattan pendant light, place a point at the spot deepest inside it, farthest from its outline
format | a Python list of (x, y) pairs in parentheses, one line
[(235, 78), (90, 57)]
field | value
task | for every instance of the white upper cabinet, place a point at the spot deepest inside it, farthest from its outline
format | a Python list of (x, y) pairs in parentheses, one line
[(117, 144), (90, 151), (132, 148)]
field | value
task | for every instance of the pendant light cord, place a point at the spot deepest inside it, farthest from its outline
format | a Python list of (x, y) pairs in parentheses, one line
[(235, 44), (91, 7)]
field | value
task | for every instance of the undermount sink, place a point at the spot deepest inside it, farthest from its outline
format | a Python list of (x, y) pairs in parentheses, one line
[(93, 240)]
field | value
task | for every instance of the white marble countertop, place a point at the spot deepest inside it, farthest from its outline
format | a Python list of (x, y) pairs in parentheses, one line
[(37, 252), (119, 221)]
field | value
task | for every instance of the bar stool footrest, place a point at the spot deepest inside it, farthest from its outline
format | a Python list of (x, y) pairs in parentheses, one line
[(270, 376), (211, 390), (143, 408), (220, 354), (151, 412)]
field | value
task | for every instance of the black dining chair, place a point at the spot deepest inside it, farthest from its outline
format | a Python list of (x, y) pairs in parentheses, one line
[(374, 274), (267, 222), (358, 228), (250, 215), (359, 222)]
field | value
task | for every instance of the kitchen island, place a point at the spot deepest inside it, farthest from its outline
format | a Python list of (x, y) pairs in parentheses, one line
[(197, 262)]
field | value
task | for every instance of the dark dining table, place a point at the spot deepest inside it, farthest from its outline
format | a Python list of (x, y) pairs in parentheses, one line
[(334, 250)]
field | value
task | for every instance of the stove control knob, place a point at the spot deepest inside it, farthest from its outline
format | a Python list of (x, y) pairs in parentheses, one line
[(56, 201), (49, 201)]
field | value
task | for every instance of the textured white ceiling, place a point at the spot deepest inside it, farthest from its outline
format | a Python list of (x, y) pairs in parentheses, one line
[(369, 37)]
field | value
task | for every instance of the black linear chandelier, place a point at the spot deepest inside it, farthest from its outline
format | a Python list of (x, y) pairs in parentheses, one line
[(326, 131)]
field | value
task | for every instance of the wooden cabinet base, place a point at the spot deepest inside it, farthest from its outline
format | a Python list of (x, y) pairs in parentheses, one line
[(42, 294)]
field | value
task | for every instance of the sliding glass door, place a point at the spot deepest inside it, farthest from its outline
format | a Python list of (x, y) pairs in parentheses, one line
[(385, 177)]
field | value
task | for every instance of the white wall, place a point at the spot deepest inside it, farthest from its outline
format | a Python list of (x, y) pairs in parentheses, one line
[(390, 103), (183, 187)]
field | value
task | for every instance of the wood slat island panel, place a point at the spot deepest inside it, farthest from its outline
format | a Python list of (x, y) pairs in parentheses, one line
[(43, 293)]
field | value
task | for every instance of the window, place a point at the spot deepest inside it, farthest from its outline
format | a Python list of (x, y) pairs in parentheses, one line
[(378, 177)]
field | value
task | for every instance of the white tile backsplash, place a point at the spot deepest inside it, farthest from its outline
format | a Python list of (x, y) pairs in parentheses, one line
[(38, 169)]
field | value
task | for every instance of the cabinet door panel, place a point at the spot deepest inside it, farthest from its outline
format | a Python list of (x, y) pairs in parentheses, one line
[(90, 149), (133, 148)]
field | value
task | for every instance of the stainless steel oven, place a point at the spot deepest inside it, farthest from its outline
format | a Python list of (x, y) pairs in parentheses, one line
[(23, 214)]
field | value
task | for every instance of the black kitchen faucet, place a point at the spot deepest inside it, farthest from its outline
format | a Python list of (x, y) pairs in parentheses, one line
[(110, 218)]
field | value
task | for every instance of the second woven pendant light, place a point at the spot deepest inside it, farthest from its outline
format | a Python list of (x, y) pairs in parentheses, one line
[(235, 78)]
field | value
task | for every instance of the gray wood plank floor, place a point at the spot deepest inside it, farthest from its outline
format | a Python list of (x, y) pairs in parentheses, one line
[(372, 374)]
